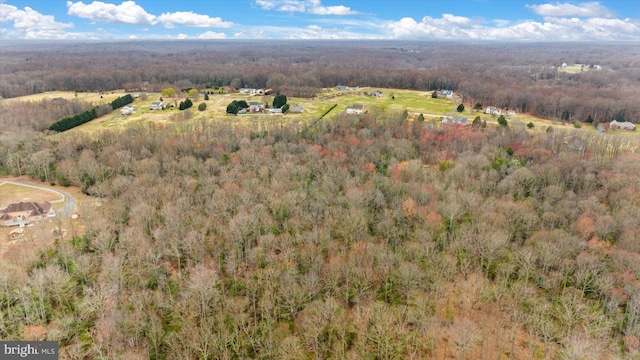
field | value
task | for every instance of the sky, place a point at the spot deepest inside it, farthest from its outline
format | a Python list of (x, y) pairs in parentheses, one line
[(476, 20)]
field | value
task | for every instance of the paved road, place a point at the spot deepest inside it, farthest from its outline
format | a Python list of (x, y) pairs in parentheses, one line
[(69, 201)]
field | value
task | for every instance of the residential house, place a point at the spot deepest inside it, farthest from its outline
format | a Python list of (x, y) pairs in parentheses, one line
[(251, 91), (622, 125), (342, 87), (355, 109), (157, 105), (376, 93), (23, 213), (511, 113), (127, 110), (492, 110), (456, 120), (296, 109), (256, 107), (446, 92)]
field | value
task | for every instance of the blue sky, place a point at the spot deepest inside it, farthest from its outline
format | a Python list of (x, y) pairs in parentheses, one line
[(487, 20)]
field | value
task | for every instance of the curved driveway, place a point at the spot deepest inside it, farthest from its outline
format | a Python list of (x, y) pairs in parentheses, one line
[(69, 201)]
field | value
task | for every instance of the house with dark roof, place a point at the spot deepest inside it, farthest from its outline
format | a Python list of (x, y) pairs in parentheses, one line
[(24, 213), (256, 107)]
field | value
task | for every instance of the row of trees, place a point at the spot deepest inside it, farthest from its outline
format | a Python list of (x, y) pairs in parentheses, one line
[(70, 122), (75, 120), (121, 101), (357, 237)]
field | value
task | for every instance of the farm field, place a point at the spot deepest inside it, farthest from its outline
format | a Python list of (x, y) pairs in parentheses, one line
[(415, 102), (94, 97)]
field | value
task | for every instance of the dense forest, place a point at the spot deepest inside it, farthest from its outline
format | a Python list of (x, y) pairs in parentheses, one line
[(358, 237), (370, 236), (525, 77)]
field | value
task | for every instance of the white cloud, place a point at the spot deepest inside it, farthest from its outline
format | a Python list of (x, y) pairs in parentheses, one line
[(126, 13), (212, 35), (298, 33), (30, 24), (551, 29), (306, 6), (29, 19), (132, 37), (587, 9), (189, 18)]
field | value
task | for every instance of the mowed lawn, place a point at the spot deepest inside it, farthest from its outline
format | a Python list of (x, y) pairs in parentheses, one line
[(16, 193), (391, 99), (216, 110)]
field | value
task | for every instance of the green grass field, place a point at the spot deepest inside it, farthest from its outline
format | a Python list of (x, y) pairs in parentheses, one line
[(15, 193), (415, 102)]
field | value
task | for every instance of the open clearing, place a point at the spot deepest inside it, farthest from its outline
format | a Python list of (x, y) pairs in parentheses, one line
[(415, 102), (575, 68), (16, 193), (39, 236), (93, 97)]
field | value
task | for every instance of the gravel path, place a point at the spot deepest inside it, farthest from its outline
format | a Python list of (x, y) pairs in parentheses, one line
[(69, 201)]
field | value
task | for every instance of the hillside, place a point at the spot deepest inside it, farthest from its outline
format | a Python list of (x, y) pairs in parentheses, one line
[(361, 237)]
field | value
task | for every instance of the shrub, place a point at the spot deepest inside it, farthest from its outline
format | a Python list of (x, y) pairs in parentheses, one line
[(202, 107)]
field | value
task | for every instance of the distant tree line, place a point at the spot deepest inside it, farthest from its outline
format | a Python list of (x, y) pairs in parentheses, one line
[(519, 81)]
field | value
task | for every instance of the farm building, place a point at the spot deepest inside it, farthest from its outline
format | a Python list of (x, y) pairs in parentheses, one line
[(127, 110), (622, 125), (157, 105), (492, 110), (355, 109)]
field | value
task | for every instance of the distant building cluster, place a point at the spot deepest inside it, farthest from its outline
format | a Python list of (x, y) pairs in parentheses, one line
[(252, 91), (622, 125)]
